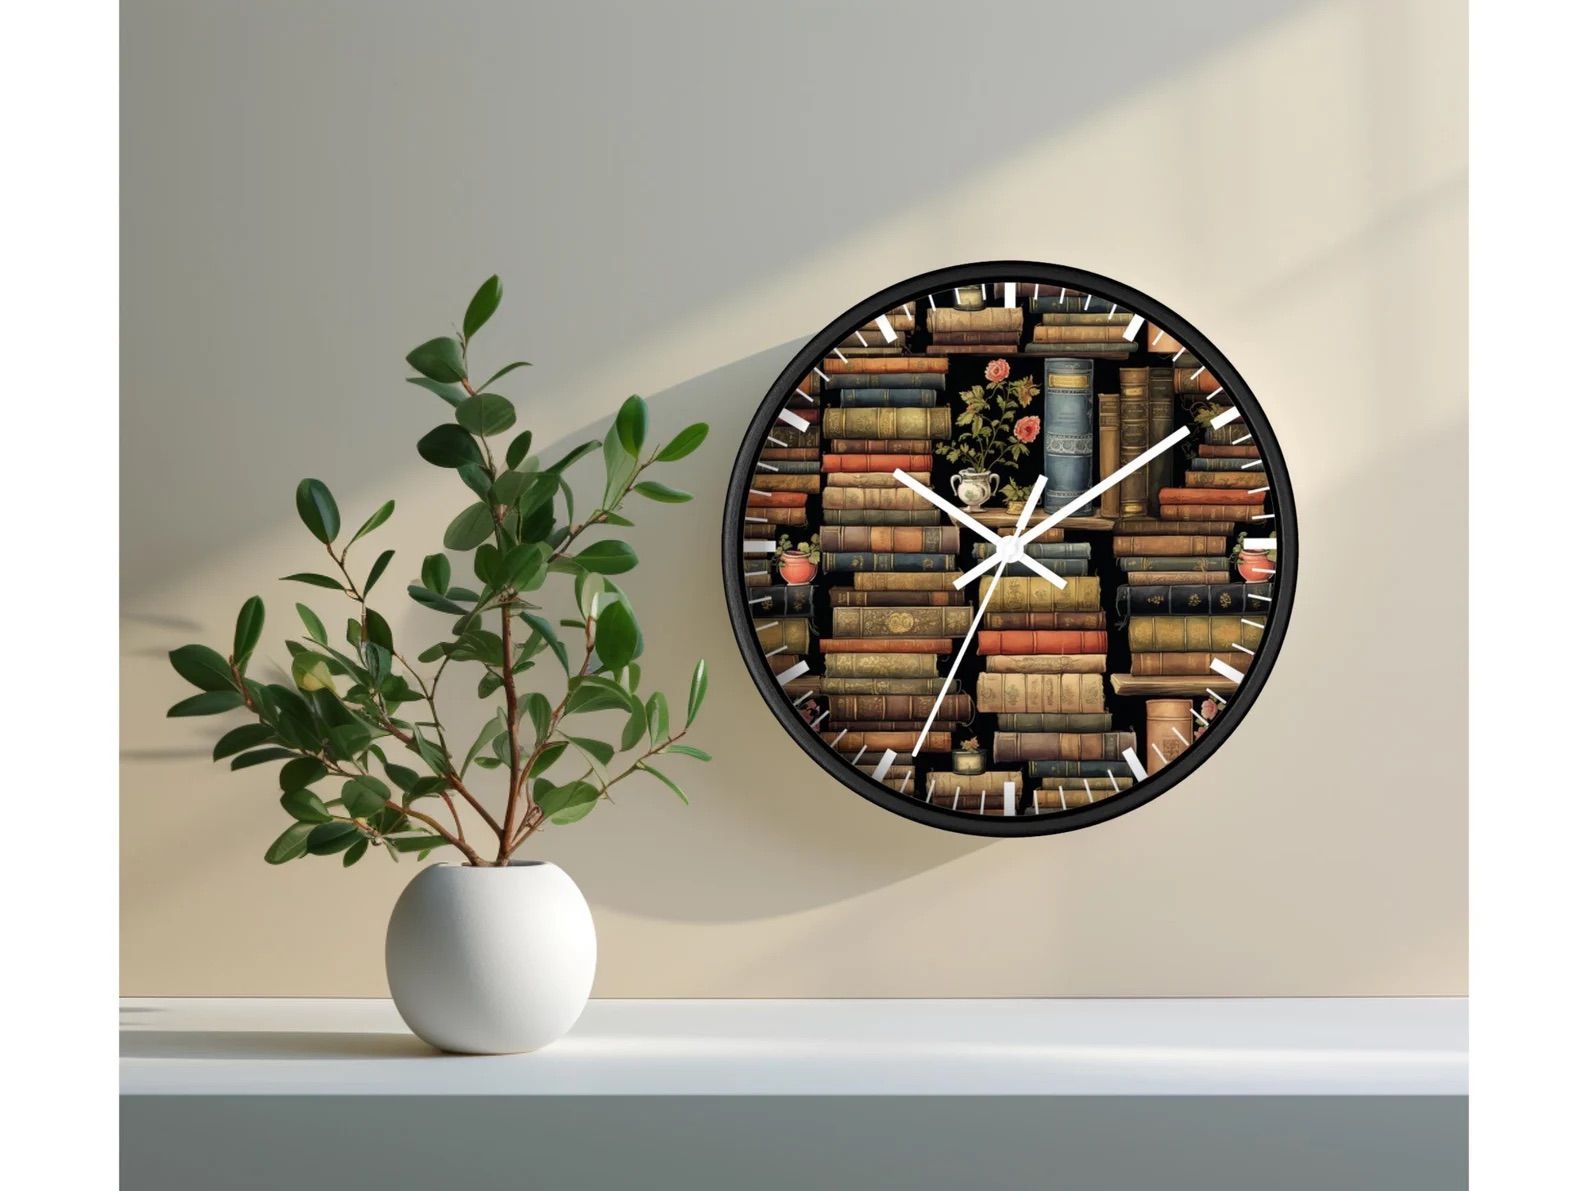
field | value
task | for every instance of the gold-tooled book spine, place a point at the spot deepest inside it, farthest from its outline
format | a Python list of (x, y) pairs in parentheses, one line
[(1160, 424), (955, 709), (1169, 731), (971, 785), (902, 622), (887, 422), (1048, 663), (1019, 593), (906, 580), (1179, 634), (1108, 460), (873, 498), (789, 632), (1133, 430), (881, 665), (1039, 692)]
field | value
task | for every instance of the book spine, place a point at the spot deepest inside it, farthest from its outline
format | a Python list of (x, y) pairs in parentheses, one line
[(1195, 599), (1215, 451), (898, 498), (1137, 562), (854, 560), (1169, 731), (844, 597), (968, 788), (1045, 620), (790, 454), (880, 446), (1195, 380), (1191, 633), (1119, 318), (1066, 432), (1160, 424), (865, 398), (898, 742), (1007, 340), (833, 366), (956, 709), (902, 622), (1042, 550), (790, 633), (900, 380), (881, 516), (1187, 662), (1059, 566), (1068, 304), (1158, 545), (1026, 721), (881, 665), (1026, 641), (1231, 434), (1243, 481), (1108, 459), (777, 516), (940, 539), (1132, 439), (928, 645), (1150, 578), (905, 580), (793, 599), (1047, 693), (872, 479), (1047, 663), (887, 423), (1062, 746), (790, 500), (828, 684), (1231, 512), (1232, 463), (991, 319), (1022, 594), (1078, 769), (1071, 333), (879, 463), (783, 482)]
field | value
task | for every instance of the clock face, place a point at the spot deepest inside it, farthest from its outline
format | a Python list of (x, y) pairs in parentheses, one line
[(1009, 549)]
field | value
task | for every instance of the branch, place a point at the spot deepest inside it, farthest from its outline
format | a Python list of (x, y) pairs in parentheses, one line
[(510, 689)]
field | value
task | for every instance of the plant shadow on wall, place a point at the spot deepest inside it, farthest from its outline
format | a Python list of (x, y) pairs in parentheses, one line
[(365, 759)]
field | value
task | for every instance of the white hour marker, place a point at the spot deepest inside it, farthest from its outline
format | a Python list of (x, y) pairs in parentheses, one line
[(1162, 760), (1181, 738), (793, 420), (1224, 670), (1201, 368), (855, 760), (1009, 294), (1263, 517), (762, 520), (1135, 764), (1262, 543), (759, 547), (817, 722), (1155, 339), (932, 298), (1251, 653), (1134, 325), (862, 338), (1243, 439), (820, 373), (1255, 491), (1113, 781), (806, 395), (1252, 464), (840, 355), (778, 441), (1009, 787), (1198, 718), (1232, 414), (772, 653), (1064, 803), (767, 466), (1256, 624), (842, 732), (1113, 308), (1265, 599), (882, 765), (1218, 698)]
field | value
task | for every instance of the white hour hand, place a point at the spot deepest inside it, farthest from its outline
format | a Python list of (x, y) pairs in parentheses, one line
[(925, 493)]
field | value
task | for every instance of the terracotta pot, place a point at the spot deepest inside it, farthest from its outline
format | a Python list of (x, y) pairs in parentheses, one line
[(1255, 566), (796, 568), (969, 761)]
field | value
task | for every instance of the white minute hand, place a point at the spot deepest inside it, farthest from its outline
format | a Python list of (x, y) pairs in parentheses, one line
[(1080, 501), (971, 523)]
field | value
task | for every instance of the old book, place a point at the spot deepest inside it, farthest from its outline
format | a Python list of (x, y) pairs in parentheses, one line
[(900, 380), (1045, 620), (1103, 349), (899, 742), (788, 500), (1046, 551), (880, 446), (782, 482), (882, 517), (778, 516), (1039, 692), (900, 581), (1148, 526), (1066, 302), (1173, 562), (912, 726), (1193, 599), (1093, 318), (845, 597), (1059, 566), (779, 662), (863, 398), (902, 784), (755, 531), (1231, 434), (1133, 439), (1160, 424), (1244, 480), (790, 467), (1077, 769), (1123, 781), (932, 540), (1211, 575), (1047, 536), (935, 645), (886, 464), (1157, 545), (1048, 663), (1229, 512), (1008, 340), (887, 423), (1066, 432), (1108, 460), (788, 454), (1195, 380), (834, 367), (1024, 594), (1190, 633), (1190, 662), (788, 436), (897, 497), (902, 622), (1027, 641), (1169, 731), (1047, 333), (786, 632), (1073, 794), (1247, 463), (991, 318), (1027, 721), (871, 479), (833, 684), (881, 665), (761, 579), (1159, 340), (1061, 746), (956, 709), (1215, 451), (1157, 685), (793, 599), (944, 783), (973, 349)]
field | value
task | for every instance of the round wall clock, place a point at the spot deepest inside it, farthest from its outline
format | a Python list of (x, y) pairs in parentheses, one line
[(1009, 548)]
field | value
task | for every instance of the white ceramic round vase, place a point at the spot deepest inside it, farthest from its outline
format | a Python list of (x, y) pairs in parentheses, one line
[(491, 961)]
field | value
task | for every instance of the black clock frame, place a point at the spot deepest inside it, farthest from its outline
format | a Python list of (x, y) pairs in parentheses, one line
[(917, 288)]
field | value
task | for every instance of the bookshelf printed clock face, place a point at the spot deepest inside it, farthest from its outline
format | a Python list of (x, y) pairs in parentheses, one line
[(1009, 549)]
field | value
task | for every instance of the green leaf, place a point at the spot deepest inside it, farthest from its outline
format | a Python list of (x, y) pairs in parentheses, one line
[(492, 729), (310, 672), (592, 693), (469, 528), (486, 414), (482, 306), (376, 520), (610, 557), (631, 424), (543, 627), (356, 853), (548, 757), (476, 479), (290, 844), (510, 485), (203, 667), (364, 796), (451, 394), (429, 599), (684, 442), (305, 806), (379, 569), (620, 467), (518, 449), (633, 727), (250, 624), (314, 580), (300, 774), (500, 373), (616, 636), (656, 717), (697, 691), (559, 798), (572, 457), (439, 359), (436, 572), (665, 780), (662, 493), (326, 839), (689, 751), (207, 703), (244, 737), (318, 510), (261, 757), (379, 630), (312, 623), (597, 750), (450, 446), (574, 812)]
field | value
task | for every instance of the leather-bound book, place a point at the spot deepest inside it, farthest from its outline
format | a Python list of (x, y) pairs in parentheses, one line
[(1048, 663), (956, 709), (1039, 692), (880, 742), (1190, 662), (1108, 460), (1168, 731), (942, 539), (1133, 440), (930, 645), (1160, 424), (887, 423), (902, 622), (1061, 746), (1067, 432), (1178, 634), (1028, 641), (1156, 545), (880, 665)]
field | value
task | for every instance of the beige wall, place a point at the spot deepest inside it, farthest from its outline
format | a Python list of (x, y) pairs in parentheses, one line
[(676, 197)]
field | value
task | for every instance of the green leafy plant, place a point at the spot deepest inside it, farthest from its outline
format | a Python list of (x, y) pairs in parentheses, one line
[(1015, 495), (342, 729), (970, 744), (992, 432), (786, 549)]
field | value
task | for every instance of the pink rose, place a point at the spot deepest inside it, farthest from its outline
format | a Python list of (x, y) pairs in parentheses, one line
[(1026, 429), (997, 370)]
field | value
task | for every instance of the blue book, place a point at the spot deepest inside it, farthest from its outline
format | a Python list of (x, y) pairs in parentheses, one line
[(887, 397), (1093, 769), (860, 560), (1066, 432), (1059, 566), (1042, 550), (895, 380)]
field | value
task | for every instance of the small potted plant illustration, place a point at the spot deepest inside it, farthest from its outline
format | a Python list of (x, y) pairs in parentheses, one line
[(1254, 566), (797, 564), (970, 758), (992, 433), (1015, 495)]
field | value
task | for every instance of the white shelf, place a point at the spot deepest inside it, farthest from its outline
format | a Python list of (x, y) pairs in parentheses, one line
[(1300, 1046)]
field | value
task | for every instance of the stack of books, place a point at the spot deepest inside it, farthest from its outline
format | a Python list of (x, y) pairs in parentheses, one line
[(899, 612), (992, 330), (875, 339), (1071, 324), (788, 472)]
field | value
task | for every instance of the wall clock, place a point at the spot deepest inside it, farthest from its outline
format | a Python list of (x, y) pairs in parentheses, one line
[(1009, 548)]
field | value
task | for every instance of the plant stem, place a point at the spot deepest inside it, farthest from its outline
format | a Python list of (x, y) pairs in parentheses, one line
[(510, 690)]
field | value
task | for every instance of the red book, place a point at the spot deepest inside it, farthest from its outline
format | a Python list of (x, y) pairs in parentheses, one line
[(876, 462), (1041, 641), (863, 364), (888, 644), (1209, 496), (785, 500)]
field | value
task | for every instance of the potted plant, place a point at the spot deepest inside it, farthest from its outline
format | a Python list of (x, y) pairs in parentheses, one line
[(1254, 566), (487, 954), (969, 758), (797, 564), (1015, 495), (992, 433)]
